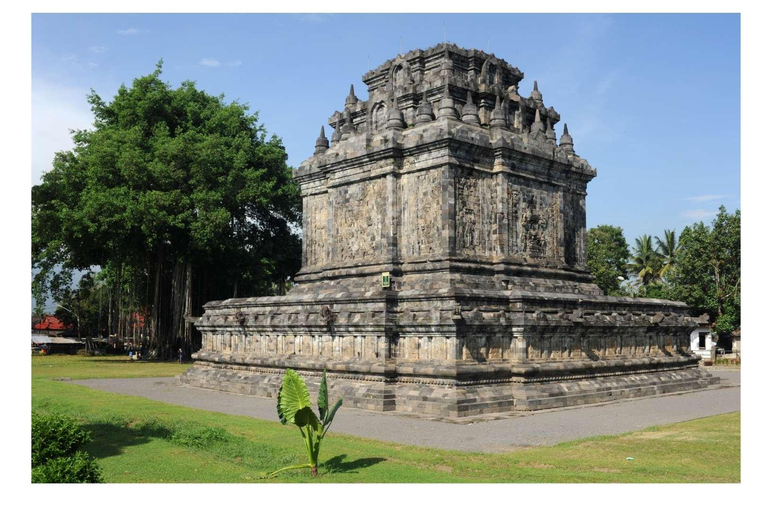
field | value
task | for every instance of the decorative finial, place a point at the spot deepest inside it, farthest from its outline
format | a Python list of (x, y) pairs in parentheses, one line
[(469, 114), (424, 113), (446, 107), (498, 119), (321, 144), (348, 128), (536, 95), (537, 128), (550, 133), (395, 119), (566, 141), (336, 137), (351, 99), (518, 120)]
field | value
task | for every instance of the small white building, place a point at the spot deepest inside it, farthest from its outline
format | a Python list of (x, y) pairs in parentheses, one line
[(702, 342)]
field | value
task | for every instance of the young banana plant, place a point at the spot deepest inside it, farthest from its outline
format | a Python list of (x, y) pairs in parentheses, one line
[(293, 406)]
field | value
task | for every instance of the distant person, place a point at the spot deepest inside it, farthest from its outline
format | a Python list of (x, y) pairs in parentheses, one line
[(181, 356)]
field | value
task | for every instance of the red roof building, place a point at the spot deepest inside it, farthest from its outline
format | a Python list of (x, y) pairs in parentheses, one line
[(51, 323)]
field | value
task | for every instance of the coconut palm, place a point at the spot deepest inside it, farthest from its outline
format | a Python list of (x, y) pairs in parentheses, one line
[(668, 250), (645, 260)]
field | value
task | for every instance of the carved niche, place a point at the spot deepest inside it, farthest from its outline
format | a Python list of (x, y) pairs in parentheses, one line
[(400, 74), (378, 117)]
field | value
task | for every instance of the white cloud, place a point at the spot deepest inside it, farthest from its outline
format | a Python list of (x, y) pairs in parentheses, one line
[(55, 110), (215, 63), (98, 49), (707, 198), (698, 214), (130, 31)]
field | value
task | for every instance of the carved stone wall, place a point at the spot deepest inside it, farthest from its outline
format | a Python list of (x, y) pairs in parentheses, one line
[(420, 219), (476, 213), (534, 220), (575, 229), (315, 240), (359, 214)]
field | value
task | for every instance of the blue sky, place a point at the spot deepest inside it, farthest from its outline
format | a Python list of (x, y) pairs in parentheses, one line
[(652, 101)]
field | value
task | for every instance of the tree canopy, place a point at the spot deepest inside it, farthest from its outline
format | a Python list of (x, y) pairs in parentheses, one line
[(607, 257), (707, 275), (177, 197)]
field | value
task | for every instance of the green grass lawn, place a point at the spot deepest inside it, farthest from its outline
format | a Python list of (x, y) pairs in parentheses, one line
[(140, 440)]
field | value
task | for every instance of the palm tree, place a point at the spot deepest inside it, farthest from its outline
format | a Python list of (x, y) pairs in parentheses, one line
[(645, 260), (667, 250)]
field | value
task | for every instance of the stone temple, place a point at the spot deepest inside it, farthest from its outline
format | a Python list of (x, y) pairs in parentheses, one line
[(444, 262)]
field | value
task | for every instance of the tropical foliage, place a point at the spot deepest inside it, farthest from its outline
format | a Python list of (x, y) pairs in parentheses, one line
[(607, 257), (173, 199), (702, 268), (645, 261), (667, 250), (707, 275), (294, 406)]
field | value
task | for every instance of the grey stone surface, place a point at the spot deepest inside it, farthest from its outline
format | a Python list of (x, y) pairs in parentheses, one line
[(510, 431), (450, 181)]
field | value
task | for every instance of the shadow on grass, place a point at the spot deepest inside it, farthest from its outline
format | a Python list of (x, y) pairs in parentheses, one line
[(110, 439), (338, 465)]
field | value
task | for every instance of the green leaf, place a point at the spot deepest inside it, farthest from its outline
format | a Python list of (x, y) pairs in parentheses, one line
[(329, 420), (306, 417), (292, 397), (322, 398), (279, 409)]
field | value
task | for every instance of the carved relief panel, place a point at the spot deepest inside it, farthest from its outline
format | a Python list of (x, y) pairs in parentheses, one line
[(476, 203), (359, 212), (575, 219), (534, 220), (315, 230), (420, 213)]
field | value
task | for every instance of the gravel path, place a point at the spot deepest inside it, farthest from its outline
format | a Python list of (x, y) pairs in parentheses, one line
[(507, 433)]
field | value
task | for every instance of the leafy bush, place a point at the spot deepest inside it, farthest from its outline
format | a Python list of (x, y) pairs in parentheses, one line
[(54, 436), (77, 468), (55, 455)]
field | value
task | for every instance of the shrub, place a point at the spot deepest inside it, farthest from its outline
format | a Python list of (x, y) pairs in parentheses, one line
[(55, 456), (77, 468), (54, 436)]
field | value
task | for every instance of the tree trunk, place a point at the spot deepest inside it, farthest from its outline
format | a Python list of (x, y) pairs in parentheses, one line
[(181, 305), (157, 311)]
